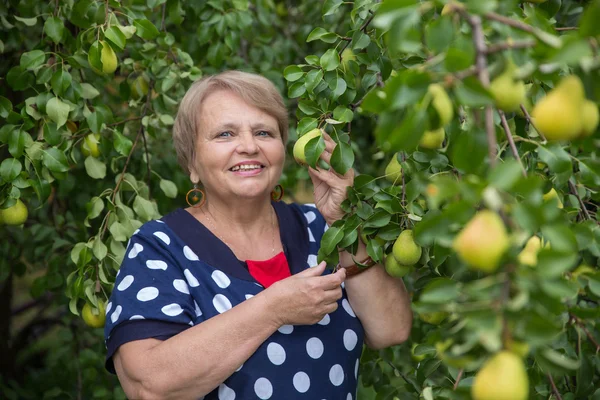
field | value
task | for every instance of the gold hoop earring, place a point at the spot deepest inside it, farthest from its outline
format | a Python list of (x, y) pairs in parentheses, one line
[(196, 203), (277, 193)]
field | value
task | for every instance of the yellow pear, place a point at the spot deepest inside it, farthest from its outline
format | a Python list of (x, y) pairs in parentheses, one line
[(519, 348), (482, 242), (433, 139), (415, 357), (395, 269), (393, 171), (528, 256), (405, 250), (590, 118), (508, 92), (14, 215), (347, 56), (94, 317), (300, 146), (552, 194), (433, 318), (108, 58), (558, 115), (442, 103), (139, 87), (502, 377), (89, 147)]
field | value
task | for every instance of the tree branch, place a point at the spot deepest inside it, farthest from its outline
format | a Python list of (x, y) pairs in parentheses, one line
[(581, 204), (566, 28), (458, 378), (511, 44), (553, 385), (511, 142), (162, 20), (123, 121), (530, 121)]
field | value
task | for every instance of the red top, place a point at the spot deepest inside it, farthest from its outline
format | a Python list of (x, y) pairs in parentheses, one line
[(269, 271)]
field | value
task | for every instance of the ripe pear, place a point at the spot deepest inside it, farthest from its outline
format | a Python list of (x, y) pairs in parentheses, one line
[(441, 103), (139, 87), (558, 115), (393, 171), (508, 92), (405, 250), (108, 58), (395, 269), (94, 317), (482, 242), (590, 118), (300, 146), (528, 256), (415, 357), (433, 139), (502, 377), (552, 194), (433, 318), (14, 215), (89, 147)]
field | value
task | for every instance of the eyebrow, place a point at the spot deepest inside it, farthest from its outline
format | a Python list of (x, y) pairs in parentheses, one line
[(231, 125)]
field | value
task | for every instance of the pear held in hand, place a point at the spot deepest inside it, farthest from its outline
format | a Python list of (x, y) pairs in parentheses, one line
[(482, 242), (393, 171), (559, 115), (502, 377), (405, 250), (509, 93), (300, 146)]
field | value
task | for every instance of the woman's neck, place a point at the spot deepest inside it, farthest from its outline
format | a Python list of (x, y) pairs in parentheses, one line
[(241, 215)]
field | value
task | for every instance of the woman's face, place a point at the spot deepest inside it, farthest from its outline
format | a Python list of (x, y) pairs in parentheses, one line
[(239, 151)]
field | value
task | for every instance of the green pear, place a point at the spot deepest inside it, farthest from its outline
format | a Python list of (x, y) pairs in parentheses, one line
[(300, 146), (433, 139), (552, 194), (395, 269), (433, 318), (108, 58), (559, 115), (14, 215), (502, 377), (405, 250), (508, 92), (442, 103), (393, 171), (528, 256), (590, 118), (482, 242)]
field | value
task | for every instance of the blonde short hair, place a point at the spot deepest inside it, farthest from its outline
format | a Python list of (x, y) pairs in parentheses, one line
[(254, 89)]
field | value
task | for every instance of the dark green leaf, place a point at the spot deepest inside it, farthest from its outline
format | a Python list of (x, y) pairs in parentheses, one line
[(321, 34), (95, 168), (330, 60), (472, 94), (313, 150), (32, 59), (55, 160), (61, 80), (292, 73), (10, 169), (330, 239), (121, 143), (54, 28), (440, 290), (116, 37), (5, 107), (16, 142), (330, 7), (145, 29), (342, 158)]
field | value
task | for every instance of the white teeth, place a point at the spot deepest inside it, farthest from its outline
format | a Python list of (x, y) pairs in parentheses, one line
[(245, 167)]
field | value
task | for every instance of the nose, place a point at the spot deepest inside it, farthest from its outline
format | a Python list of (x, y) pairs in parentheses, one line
[(247, 143)]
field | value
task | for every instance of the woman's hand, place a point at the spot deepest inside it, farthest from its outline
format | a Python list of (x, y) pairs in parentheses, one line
[(305, 298), (330, 187)]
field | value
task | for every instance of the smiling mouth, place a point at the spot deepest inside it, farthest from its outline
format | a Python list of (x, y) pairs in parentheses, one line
[(246, 167)]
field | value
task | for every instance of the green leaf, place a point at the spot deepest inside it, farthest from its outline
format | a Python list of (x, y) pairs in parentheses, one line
[(440, 290), (116, 37), (55, 160), (88, 92), (561, 237), (555, 157), (27, 21), (313, 150), (313, 78), (360, 40), (99, 249), (144, 208), (95, 121), (61, 81), (94, 207), (19, 78), (95, 168), (330, 60), (306, 124), (94, 56), (296, 89), (475, 145), (292, 73), (342, 158), (52, 134), (16, 142), (553, 263), (343, 114), (241, 5), (589, 21), (121, 143), (5, 107), (169, 188), (54, 28), (145, 29), (32, 59), (321, 34), (406, 134), (10, 169), (330, 239), (378, 219), (118, 232), (439, 34), (330, 7), (57, 111), (506, 175), (472, 94)]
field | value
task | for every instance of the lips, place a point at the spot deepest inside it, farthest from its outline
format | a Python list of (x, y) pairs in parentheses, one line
[(246, 167)]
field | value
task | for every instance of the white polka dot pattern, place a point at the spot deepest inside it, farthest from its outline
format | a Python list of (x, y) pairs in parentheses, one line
[(108, 307), (197, 309), (147, 294), (249, 296), (115, 315), (221, 303), (263, 388), (314, 348), (276, 353), (311, 238), (350, 339), (348, 308), (356, 368), (125, 283), (189, 254), (336, 375), (220, 279), (181, 286), (172, 310), (286, 329), (310, 217), (191, 279), (226, 393), (325, 320), (301, 382), (136, 317), (163, 236), (156, 264), (312, 260), (135, 250)]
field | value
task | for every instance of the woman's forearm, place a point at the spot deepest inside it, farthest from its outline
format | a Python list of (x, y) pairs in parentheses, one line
[(380, 301), (194, 362)]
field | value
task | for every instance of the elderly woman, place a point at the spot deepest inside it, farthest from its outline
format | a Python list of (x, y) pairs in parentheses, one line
[(224, 299)]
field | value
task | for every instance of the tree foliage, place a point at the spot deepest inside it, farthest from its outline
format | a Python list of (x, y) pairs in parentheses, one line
[(89, 93)]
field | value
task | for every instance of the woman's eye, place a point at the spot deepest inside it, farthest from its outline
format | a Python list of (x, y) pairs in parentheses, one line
[(225, 134), (263, 133)]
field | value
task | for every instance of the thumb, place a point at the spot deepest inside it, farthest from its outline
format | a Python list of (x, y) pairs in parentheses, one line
[(316, 270)]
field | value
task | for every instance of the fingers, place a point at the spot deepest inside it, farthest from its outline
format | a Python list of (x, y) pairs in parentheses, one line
[(333, 281), (314, 271)]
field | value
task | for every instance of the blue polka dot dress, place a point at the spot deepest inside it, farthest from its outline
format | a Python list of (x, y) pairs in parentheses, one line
[(177, 274)]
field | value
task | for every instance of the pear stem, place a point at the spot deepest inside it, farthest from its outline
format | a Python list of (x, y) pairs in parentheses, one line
[(554, 388), (458, 377), (511, 142), (581, 204), (528, 117)]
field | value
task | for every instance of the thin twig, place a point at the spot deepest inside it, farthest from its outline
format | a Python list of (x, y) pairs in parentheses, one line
[(106, 12), (590, 337), (567, 28), (512, 44), (554, 389), (511, 142), (403, 184), (581, 204), (123, 121), (530, 121), (458, 378), (162, 21), (362, 28), (465, 73), (404, 377)]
